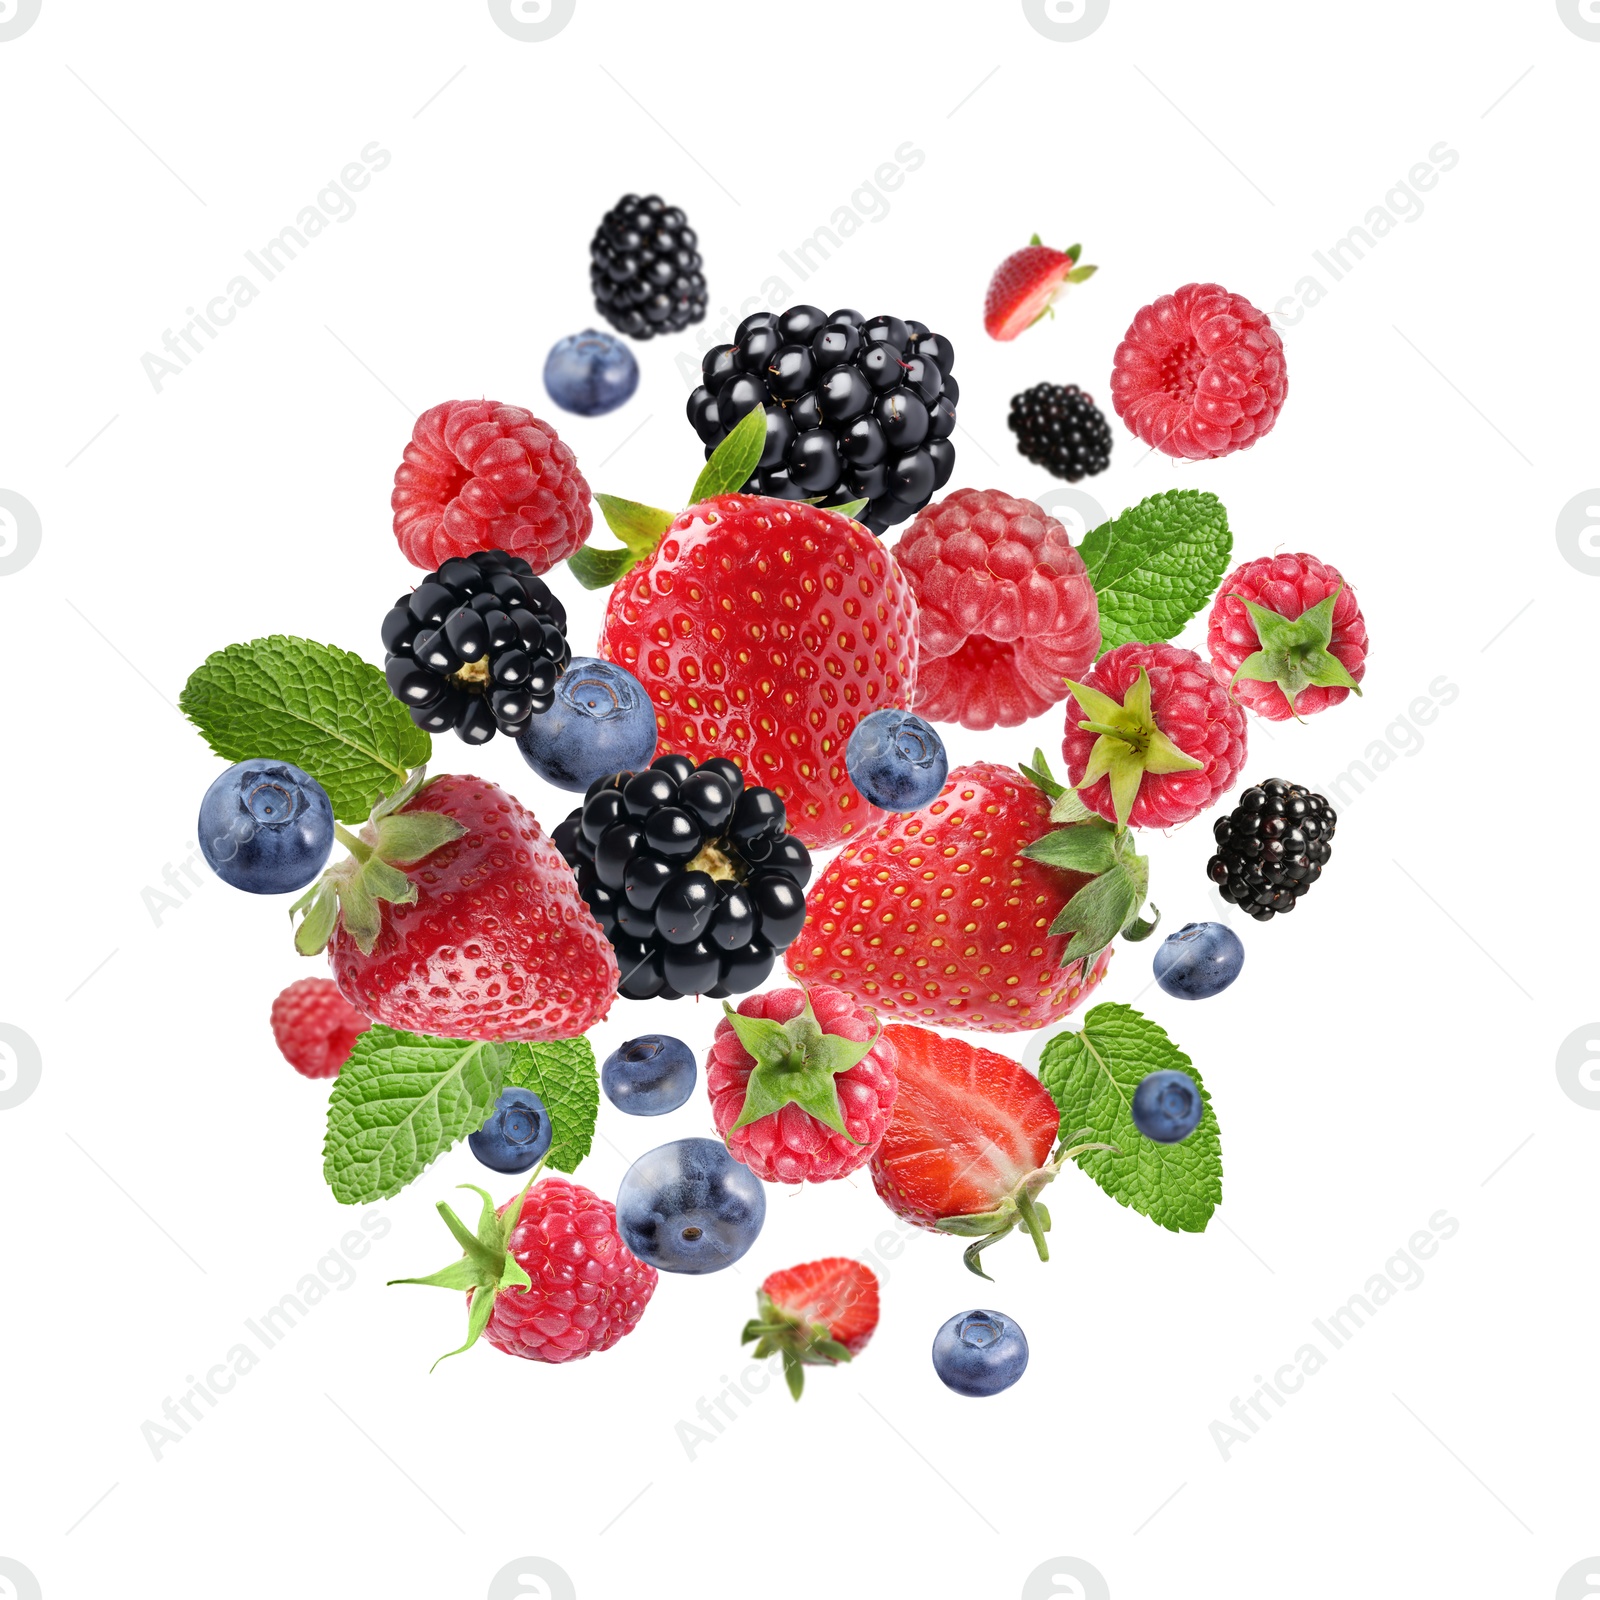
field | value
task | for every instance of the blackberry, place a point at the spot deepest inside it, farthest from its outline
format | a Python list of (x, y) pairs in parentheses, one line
[(691, 874), (644, 268), (1061, 429), (1271, 847), (476, 646), (857, 409)]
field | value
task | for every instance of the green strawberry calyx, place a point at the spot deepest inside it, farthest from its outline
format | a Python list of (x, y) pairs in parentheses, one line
[(801, 1343), (1294, 651), (1129, 743), (1022, 1206), (796, 1064), (488, 1269), (353, 889), (1110, 904)]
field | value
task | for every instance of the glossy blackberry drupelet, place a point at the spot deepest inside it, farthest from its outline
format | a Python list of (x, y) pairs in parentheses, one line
[(857, 409), (691, 875), (476, 646), (1271, 847), (644, 268), (1061, 429)]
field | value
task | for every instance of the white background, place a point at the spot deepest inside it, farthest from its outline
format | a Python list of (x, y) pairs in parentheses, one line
[(1388, 1053)]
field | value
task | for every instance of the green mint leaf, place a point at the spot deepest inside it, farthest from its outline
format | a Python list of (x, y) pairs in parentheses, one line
[(1092, 1075), (400, 1102), (1154, 566), (1076, 849), (639, 527), (563, 1075), (734, 459), (599, 569), (313, 705)]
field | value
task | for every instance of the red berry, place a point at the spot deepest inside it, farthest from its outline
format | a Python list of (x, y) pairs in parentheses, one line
[(479, 475), (315, 1026), (939, 915), (846, 1079), (1023, 286), (764, 630), (818, 1314), (1199, 373), (1277, 660), (1005, 610), (1179, 738), (498, 943)]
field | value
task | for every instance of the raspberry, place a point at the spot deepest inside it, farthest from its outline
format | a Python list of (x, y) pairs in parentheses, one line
[(1199, 373), (1061, 429), (644, 268), (479, 475), (1286, 628), (315, 1027), (1006, 612), (1166, 738)]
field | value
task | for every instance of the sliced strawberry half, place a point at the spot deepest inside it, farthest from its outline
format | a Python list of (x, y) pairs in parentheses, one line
[(818, 1314), (969, 1147), (1026, 283)]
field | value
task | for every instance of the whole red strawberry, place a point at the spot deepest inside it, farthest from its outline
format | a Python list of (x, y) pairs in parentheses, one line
[(941, 914), (478, 475), (801, 1084), (461, 920), (315, 1026), (1006, 613), (818, 1314), (1287, 636), (764, 630), (1152, 738), (547, 1275), (1025, 284), (968, 1149)]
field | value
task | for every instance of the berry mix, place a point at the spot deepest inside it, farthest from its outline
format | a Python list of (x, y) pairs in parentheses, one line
[(764, 806)]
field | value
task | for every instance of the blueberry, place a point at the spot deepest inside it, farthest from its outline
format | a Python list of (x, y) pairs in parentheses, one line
[(266, 827), (1199, 960), (517, 1134), (602, 722), (590, 373), (980, 1353), (649, 1076), (690, 1207), (1167, 1106), (896, 760)]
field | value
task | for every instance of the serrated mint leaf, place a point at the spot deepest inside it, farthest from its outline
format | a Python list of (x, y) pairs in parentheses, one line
[(563, 1076), (1092, 1074), (734, 459), (600, 568), (313, 705), (1154, 566), (401, 1101)]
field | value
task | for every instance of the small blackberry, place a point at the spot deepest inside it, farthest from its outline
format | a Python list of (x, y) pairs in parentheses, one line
[(857, 409), (1061, 429), (644, 268), (476, 646), (1271, 847), (691, 874)]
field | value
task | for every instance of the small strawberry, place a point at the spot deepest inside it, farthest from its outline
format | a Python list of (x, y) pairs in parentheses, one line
[(816, 1315), (547, 1276), (801, 1084), (454, 915), (968, 1149), (1287, 636), (1025, 284)]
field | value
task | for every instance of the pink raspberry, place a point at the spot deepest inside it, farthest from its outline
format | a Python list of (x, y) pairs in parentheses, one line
[(1287, 636), (1005, 610), (315, 1026), (1200, 373), (1167, 739), (479, 475)]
